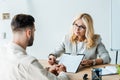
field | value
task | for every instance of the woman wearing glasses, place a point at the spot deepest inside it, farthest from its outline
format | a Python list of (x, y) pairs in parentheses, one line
[(82, 40)]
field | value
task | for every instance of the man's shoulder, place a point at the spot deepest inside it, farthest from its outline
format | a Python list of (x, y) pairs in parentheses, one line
[(28, 59)]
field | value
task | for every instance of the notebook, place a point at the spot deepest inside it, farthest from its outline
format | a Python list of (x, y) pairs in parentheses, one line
[(109, 70), (71, 62)]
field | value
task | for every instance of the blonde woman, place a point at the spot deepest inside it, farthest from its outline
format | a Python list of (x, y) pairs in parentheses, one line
[(83, 41)]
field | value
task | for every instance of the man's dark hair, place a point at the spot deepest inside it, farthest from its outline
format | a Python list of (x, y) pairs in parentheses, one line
[(22, 21)]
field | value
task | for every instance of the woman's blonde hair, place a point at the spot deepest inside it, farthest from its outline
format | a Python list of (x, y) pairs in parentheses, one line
[(89, 34)]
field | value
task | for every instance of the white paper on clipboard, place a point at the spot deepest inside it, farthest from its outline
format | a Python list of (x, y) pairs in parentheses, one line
[(71, 62)]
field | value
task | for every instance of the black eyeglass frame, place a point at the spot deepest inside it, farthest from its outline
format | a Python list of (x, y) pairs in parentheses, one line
[(81, 26)]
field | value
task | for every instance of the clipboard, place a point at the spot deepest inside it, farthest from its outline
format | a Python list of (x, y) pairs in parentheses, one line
[(72, 62)]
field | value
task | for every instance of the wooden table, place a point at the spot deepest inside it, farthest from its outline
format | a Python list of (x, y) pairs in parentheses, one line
[(79, 75)]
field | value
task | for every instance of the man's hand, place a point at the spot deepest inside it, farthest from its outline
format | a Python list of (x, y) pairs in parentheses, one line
[(56, 69), (52, 70), (60, 68)]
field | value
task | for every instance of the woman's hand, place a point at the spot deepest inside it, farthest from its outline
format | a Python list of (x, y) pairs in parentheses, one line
[(52, 59), (87, 62)]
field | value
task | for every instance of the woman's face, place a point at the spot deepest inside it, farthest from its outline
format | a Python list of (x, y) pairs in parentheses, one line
[(79, 28)]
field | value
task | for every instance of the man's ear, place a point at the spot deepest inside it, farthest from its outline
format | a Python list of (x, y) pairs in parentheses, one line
[(28, 33)]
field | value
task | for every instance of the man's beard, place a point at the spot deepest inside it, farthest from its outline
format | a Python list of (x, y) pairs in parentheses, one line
[(30, 42)]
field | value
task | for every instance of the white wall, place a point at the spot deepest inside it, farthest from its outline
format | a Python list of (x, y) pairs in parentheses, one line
[(54, 20), (13, 7)]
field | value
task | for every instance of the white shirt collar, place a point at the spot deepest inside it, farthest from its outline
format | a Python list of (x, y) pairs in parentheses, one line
[(16, 48)]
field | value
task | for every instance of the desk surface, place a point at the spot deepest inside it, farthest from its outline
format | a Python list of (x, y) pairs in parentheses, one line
[(79, 75)]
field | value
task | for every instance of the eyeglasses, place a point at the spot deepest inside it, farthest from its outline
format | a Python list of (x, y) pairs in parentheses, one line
[(81, 26)]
